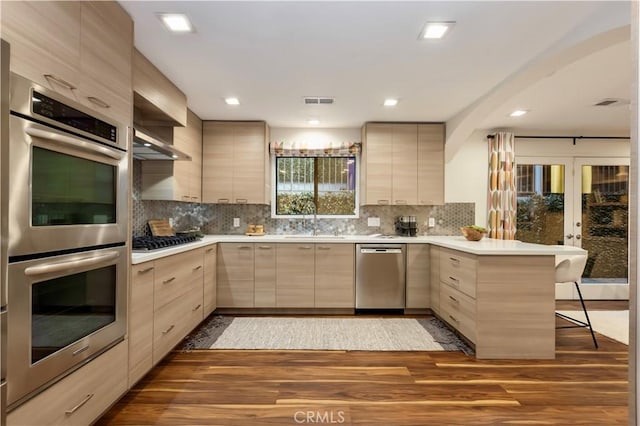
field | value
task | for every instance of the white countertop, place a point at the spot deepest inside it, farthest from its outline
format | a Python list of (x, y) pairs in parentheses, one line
[(485, 246)]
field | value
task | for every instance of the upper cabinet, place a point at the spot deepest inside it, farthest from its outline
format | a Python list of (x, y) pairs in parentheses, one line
[(177, 180), (402, 164), (82, 50), (158, 101), (235, 162)]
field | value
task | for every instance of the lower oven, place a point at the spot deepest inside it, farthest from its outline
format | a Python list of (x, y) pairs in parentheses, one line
[(65, 310)]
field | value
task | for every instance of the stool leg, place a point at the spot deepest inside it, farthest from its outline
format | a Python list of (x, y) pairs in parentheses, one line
[(584, 308)]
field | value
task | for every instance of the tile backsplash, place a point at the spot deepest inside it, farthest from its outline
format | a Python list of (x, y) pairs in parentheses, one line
[(218, 218)]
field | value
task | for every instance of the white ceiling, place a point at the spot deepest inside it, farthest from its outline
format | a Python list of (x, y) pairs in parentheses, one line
[(548, 57)]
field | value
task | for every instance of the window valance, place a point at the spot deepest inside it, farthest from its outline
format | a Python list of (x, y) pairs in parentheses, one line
[(304, 149)]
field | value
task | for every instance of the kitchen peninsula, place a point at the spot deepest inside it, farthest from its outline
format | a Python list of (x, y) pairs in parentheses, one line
[(499, 295)]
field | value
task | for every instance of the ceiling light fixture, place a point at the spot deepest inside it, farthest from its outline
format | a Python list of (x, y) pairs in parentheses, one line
[(390, 102), (435, 30), (313, 122), (232, 101), (518, 113), (176, 22)]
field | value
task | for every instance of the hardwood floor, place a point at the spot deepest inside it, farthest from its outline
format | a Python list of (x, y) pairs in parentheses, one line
[(582, 386)]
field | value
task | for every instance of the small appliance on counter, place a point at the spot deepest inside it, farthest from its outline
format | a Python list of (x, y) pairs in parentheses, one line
[(406, 226)]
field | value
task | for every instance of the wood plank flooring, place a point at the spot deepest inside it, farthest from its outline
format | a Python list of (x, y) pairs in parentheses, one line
[(582, 386)]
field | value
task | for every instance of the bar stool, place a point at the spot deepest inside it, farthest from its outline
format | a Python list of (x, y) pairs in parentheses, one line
[(569, 269)]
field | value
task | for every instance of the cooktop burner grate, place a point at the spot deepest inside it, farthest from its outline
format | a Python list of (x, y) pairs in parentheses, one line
[(153, 243)]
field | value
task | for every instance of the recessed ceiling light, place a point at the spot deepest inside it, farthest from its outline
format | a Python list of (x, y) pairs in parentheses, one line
[(174, 156), (390, 102), (176, 22), (147, 144), (435, 30), (232, 101), (518, 113), (313, 122)]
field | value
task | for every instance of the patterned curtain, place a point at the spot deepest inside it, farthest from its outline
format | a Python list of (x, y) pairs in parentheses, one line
[(502, 187)]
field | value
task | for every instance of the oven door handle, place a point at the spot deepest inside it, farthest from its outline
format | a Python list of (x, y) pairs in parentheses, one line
[(48, 268), (75, 142)]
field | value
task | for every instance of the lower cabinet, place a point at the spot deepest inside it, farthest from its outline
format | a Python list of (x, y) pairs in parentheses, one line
[(235, 268), (334, 276), (166, 303), (81, 397), (265, 276), (295, 275), (418, 292)]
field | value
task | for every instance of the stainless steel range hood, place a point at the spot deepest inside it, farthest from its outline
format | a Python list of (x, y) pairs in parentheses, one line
[(149, 147)]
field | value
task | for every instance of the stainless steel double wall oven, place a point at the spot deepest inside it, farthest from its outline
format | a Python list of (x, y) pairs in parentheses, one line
[(67, 236)]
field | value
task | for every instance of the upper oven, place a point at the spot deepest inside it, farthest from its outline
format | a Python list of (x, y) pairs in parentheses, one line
[(68, 170)]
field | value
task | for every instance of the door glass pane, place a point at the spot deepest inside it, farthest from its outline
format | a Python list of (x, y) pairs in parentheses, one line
[(541, 203), (605, 202)]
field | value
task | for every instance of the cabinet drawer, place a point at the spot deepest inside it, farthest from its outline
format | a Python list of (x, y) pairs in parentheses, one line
[(81, 397), (140, 321), (458, 270), (459, 310), (169, 324), (174, 275)]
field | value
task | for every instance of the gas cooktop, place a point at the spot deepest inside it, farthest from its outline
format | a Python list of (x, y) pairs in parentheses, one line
[(147, 243)]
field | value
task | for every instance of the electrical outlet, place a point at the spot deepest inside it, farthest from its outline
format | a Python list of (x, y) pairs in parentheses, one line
[(236, 222), (432, 222), (373, 221)]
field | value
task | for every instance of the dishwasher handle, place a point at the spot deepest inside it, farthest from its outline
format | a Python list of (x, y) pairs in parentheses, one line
[(381, 250)]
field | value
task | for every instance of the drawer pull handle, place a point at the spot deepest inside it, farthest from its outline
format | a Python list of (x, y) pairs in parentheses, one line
[(77, 407), (196, 308), (78, 351), (324, 248), (264, 247), (223, 200), (454, 260), (144, 271), (305, 248), (244, 247), (453, 318), (169, 280), (401, 202), (209, 250), (195, 198), (455, 280), (168, 329), (60, 81), (99, 102), (384, 202), (453, 299), (197, 267), (241, 201)]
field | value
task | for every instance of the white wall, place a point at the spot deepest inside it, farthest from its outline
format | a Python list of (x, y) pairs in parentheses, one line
[(313, 136), (566, 148)]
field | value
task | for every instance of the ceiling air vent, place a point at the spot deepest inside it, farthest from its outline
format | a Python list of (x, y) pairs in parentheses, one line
[(318, 100)]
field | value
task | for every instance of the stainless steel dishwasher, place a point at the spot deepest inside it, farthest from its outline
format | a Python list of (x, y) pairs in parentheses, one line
[(380, 276)]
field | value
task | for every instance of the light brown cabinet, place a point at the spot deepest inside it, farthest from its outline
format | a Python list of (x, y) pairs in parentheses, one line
[(334, 276), (158, 101), (177, 180), (418, 294), (81, 50), (235, 275), (81, 397), (166, 302), (235, 162), (210, 273), (265, 275), (402, 164), (295, 275), (141, 321)]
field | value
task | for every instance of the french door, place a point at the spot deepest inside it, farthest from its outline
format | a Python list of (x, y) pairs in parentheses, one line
[(581, 202)]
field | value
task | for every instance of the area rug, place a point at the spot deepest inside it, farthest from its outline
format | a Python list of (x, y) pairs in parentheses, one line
[(322, 333), (614, 324)]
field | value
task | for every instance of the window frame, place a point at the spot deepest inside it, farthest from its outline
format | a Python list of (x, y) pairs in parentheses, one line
[(274, 188)]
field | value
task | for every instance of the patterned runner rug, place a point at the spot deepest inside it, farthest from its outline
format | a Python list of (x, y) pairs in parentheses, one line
[(325, 333)]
